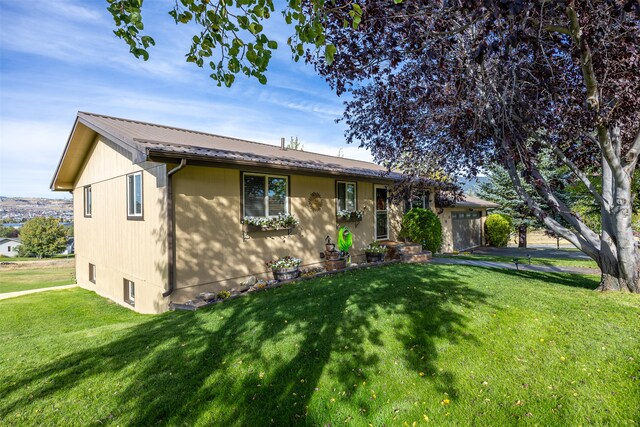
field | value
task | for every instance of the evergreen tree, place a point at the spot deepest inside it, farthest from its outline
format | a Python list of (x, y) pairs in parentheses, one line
[(295, 144), (499, 189)]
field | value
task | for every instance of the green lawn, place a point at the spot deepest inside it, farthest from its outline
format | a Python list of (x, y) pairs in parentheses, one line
[(19, 259), (559, 262), (23, 279), (454, 345)]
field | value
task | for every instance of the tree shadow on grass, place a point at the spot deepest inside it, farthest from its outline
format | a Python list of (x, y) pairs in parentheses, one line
[(564, 279), (258, 360)]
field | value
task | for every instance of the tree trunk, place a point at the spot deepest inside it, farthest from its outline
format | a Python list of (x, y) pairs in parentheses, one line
[(522, 236), (613, 279), (609, 278)]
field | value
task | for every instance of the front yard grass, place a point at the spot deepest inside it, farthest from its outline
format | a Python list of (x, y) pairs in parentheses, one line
[(396, 345), (23, 279)]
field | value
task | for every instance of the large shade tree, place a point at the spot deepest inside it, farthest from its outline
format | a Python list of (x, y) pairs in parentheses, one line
[(467, 82)]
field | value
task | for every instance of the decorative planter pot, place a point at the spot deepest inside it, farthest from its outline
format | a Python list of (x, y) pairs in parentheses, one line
[(286, 273), (330, 256), (374, 256), (337, 264)]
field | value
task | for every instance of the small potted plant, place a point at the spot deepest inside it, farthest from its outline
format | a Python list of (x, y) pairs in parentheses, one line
[(286, 268), (375, 252)]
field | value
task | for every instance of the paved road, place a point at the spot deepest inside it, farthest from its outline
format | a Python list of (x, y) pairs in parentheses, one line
[(33, 291), (512, 266)]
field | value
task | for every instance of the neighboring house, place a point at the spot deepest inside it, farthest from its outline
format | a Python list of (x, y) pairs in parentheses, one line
[(68, 249), (159, 211), (9, 246)]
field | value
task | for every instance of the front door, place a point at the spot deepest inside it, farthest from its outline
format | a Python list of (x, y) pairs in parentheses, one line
[(382, 214)]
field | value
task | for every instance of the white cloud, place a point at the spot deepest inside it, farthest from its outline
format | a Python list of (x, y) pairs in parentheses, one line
[(61, 56)]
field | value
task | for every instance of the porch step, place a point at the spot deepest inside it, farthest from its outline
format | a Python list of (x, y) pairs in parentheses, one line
[(423, 256), (410, 249)]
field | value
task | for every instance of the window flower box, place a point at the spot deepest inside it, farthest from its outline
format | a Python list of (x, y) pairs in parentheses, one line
[(349, 216), (280, 222)]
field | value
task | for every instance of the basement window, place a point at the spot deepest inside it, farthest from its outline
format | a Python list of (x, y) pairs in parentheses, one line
[(134, 196), (129, 292), (92, 273)]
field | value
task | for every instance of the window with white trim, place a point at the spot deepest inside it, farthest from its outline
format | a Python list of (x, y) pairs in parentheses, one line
[(87, 201), (422, 200), (129, 292), (264, 195), (134, 196), (346, 196)]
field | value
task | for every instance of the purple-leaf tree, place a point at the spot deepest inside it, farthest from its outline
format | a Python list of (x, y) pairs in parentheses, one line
[(465, 82)]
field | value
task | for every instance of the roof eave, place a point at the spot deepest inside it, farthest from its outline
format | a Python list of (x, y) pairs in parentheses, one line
[(163, 156), (137, 154), (53, 186)]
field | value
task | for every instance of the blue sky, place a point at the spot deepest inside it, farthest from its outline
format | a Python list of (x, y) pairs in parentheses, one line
[(58, 57)]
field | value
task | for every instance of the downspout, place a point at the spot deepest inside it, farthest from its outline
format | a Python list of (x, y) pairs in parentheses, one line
[(171, 229)]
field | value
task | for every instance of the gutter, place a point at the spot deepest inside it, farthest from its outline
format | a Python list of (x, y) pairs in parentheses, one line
[(171, 229), (161, 156)]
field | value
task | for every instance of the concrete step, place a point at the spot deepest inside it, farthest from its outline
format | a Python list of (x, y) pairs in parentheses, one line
[(423, 256)]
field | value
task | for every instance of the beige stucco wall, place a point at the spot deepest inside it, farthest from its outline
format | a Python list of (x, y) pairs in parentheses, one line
[(118, 247), (447, 236), (214, 253)]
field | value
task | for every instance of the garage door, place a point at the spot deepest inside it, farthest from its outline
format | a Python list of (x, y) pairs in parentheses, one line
[(467, 229)]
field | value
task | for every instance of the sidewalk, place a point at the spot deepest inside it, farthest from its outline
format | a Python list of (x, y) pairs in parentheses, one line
[(522, 267), (33, 291)]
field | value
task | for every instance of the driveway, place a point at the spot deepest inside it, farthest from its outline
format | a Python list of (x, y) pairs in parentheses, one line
[(534, 252), (512, 266)]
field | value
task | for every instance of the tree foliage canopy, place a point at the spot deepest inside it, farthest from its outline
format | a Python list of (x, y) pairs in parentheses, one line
[(466, 82), (42, 237)]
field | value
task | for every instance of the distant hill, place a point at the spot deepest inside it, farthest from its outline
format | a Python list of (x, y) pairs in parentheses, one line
[(20, 209), (471, 187)]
